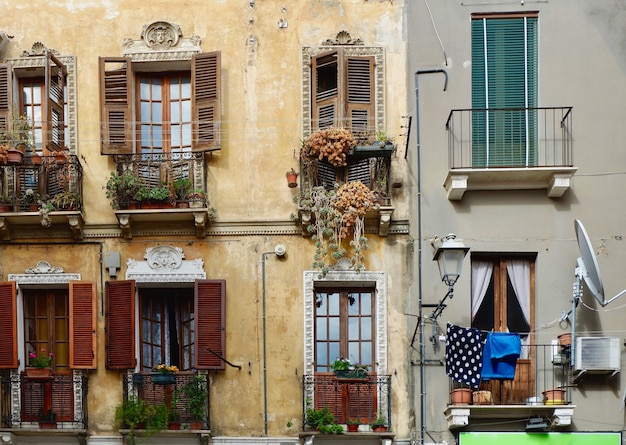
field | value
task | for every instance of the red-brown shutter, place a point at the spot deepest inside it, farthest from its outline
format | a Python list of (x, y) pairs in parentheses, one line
[(54, 103), (325, 90), (120, 324), (210, 323), (206, 93), (8, 326), (82, 325), (116, 120), (5, 96), (360, 97)]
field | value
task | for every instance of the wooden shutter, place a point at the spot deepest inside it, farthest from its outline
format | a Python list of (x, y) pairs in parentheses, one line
[(116, 106), (325, 90), (5, 96), (206, 94), (120, 324), (361, 170), (8, 326), (54, 103), (210, 296), (360, 97), (82, 325)]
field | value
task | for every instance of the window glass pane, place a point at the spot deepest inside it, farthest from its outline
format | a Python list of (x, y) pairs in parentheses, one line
[(333, 351), (333, 304), (185, 87), (157, 136), (333, 328), (174, 112), (353, 303), (366, 303), (157, 113), (186, 134), (145, 135), (186, 111), (175, 136), (322, 358), (145, 111), (174, 88), (321, 333), (144, 89), (366, 355), (353, 328), (156, 89), (366, 328)]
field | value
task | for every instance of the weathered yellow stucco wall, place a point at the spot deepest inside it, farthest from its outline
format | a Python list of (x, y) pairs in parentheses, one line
[(261, 129)]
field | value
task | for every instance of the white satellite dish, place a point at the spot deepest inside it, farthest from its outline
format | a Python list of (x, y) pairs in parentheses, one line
[(588, 266), (588, 263)]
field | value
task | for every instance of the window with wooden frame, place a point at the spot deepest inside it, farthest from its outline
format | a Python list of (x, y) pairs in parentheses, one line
[(175, 111), (503, 300), (62, 321), (191, 336), (41, 96)]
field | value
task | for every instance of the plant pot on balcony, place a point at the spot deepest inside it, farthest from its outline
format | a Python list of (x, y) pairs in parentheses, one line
[(163, 378), (565, 339), (351, 374), (45, 425), (195, 424), (554, 396), (482, 398), (36, 159), (175, 425), (38, 373), (461, 396), (14, 157)]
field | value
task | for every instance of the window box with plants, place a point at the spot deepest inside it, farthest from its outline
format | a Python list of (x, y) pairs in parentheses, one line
[(379, 424), (381, 146), (344, 369), (164, 374), (39, 365)]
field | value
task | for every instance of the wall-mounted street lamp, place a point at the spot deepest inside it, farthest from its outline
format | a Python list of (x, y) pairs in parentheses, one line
[(449, 257)]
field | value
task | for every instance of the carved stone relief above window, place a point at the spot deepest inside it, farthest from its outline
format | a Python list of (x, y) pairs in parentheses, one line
[(161, 41), (165, 264)]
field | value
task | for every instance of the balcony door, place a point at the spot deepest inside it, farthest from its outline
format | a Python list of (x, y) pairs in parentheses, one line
[(504, 90), (503, 301)]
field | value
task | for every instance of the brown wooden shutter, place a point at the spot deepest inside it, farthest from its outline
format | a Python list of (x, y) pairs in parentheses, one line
[(5, 96), (54, 103), (82, 325), (8, 326), (325, 90), (361, 170), (206, 93), (116, 106), (210, 323), (360, 97), (120, 324)]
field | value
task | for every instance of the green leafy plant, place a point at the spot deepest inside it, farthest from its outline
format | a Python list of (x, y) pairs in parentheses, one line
[(182, 186), (195, 396), (157, 417), (47, 416), (343, 364), (322, 420), (159, 193), (130, 414), (379, 421), (121, 188), (66, 201), (41, 360)]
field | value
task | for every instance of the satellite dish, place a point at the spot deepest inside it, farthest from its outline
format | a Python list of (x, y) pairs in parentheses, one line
[(589, 264)]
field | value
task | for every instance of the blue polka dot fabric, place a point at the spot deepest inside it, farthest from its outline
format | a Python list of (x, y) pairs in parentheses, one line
[(464, 354)]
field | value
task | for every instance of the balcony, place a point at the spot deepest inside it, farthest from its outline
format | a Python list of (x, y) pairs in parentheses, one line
[(526, 148), (541, 372), (349, 399), (158, 171), (56, 406), (186, 394), (35, 184)]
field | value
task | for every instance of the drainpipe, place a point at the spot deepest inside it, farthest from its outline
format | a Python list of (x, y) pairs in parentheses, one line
[(279, 251), (419, 250)]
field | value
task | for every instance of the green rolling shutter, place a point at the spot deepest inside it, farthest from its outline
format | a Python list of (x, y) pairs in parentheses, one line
[(504, 76)]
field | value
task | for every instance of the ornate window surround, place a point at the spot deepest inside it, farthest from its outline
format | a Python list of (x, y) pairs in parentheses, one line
[(352, 47), (165, 264), (36, 58)]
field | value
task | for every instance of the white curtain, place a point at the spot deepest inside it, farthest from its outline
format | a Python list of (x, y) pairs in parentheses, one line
[(519, 273), (481, 276)]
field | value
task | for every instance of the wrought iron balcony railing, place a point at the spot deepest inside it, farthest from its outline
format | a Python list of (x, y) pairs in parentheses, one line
[(364, 400), (23, 187), (58, 402), (185, 395), (541, 372), (510, 137)]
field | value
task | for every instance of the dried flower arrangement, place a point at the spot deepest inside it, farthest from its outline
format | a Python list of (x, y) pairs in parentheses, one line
[(330, 144)]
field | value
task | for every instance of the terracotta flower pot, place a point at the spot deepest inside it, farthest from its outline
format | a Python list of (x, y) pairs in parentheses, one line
[(554, 396), (565, 339), (292, 179), (39, 373), (353, 427), (461, 396)]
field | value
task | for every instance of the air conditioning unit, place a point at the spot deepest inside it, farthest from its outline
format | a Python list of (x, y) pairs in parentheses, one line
[(597, 355)]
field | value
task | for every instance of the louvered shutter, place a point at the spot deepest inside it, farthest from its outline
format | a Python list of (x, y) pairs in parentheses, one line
[(360, 97), (206, 94), (8, 326), (116, 106), (325, 90), (5, 96), (53, 126), (504, 76), (361, 170), (82, 325), (120, 324), (326, 175), (210, 296)]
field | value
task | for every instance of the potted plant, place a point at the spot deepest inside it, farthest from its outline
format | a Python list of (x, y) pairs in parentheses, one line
[(31, 199), (164, 374), (66, 201), (157, 417), (39, 365), (174, 416), (292, 178), (322, 420), (182, 186), (121, 188), (6, 203), (159, 195), (195, 394), (329, 144), (379, 424), (132, 414), (196, 198), (345, 369), (47, 419), (353, 425), (60, 156)]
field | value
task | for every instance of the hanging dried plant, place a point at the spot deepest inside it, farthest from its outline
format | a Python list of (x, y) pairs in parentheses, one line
[(330, 144)]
